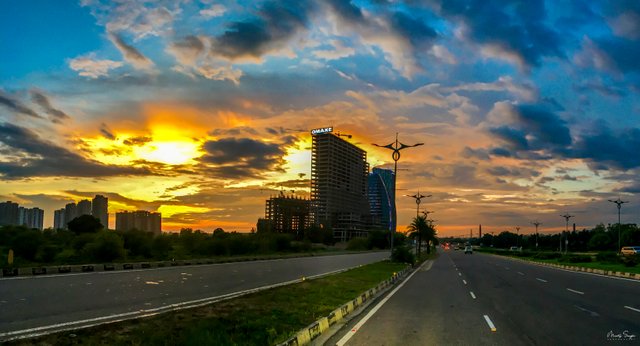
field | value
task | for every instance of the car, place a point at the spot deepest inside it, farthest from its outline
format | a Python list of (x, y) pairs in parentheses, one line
[(630, 250), (514, 248), (468, 249)]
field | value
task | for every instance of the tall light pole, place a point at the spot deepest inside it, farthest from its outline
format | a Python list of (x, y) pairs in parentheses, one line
[(536, 223), (619, 203), (518, 236), (418, 197), (396, 147), (566, 216)]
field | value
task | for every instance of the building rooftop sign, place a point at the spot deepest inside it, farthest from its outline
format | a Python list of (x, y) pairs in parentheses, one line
[(321, 130)]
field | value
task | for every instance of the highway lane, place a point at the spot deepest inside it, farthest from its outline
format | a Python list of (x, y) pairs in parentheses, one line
[(33, 302), (459, 299)]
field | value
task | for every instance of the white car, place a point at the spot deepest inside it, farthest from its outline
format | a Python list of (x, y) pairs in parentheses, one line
[(630, 250), (468, 250)]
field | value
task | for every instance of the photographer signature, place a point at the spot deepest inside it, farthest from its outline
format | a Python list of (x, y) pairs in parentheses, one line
[(625, 335)]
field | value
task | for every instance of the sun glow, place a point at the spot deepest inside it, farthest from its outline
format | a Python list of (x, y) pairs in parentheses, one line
[(171, 153)]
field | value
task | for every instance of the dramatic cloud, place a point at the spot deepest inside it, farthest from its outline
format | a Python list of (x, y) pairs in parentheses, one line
[(216, 10), (507, 29), (89, 66), (240, 158), (130, 53), (16, 106), (106, 132), (614, 149), (57, 116), (36, 157)]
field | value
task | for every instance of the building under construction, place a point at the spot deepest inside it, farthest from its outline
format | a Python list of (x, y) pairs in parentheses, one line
[(288, 214), (339, 173)]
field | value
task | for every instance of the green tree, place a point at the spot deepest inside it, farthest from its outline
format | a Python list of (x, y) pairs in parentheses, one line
[(85, 224), (107, 246), (26, 244), (422, 231)]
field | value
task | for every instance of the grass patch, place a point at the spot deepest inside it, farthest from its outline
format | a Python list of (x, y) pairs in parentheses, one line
[(604, 264), (263, 318)]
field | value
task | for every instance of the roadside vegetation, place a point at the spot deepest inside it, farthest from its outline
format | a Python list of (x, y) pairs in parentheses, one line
[(87, 242), (263, 318)]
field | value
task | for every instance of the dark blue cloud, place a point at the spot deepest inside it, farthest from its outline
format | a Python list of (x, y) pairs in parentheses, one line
[(241, 157), (610, 149), (515, 26), (276, 22), (515, 139)]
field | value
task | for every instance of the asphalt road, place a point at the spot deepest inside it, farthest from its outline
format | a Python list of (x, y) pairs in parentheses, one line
[(32, 304), (445, 303)]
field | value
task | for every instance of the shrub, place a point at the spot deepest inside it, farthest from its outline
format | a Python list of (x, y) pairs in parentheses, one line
[(547, 255), (631, 261), (106, 247), (357, 244), (608, 257), (575, 258), (403, 255)]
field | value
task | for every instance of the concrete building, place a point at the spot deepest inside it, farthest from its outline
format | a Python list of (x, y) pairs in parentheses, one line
[(8, 213), (31, 217), (288, 214), (70, 213), (140, 220), (84, 208), (339, 173), (99, 209), (58, 219), (382, 202)]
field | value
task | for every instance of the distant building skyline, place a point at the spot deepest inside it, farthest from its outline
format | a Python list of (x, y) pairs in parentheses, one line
[(100, 209), (381, 194), (13, 214), (287, 214)]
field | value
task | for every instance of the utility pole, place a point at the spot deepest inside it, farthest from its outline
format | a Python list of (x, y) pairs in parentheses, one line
[(619, 203), (536, 223), (566, 216), (396, 147), (518, 237)]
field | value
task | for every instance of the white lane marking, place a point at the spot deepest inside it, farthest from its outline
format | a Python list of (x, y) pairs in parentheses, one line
[(472, 295), (541, 280), (364, 320), (465, 281), (491, 325), (521, 273), (592, 313), (151, 283), (574, 291), (459, 274), (630, 308), (507, 268)]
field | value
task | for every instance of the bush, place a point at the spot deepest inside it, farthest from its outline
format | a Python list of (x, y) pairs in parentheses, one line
[(608, 257), (106, 247), (357, 244), (403, 255), (575, 259), (547, 255), (631, 261)]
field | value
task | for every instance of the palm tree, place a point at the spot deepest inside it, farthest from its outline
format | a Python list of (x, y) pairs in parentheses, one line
[(423, 230)]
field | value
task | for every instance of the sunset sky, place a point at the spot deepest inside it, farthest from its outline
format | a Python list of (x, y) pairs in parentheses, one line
[(203, 109)]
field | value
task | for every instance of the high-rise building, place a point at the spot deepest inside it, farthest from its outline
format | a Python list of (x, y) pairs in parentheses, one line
[(9, 213), (288, 214), (99, 210), (140, 220), (70, 213), (84, 208), (31, 217), (382, 202), (58, 219), (339, 172)]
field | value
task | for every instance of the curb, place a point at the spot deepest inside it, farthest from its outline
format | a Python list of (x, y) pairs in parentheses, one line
[(632, 276), (312, 331)]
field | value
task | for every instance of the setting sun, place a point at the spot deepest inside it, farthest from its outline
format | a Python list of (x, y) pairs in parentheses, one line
[(172, 153)]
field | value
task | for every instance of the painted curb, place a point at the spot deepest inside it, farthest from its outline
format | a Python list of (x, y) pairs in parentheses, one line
[(632, 276), (312, 331)]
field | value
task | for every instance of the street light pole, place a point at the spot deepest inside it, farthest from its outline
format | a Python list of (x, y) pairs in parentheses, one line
[(518, 237), (396, 147), (566, 216), (418, 197), (536, 223), (619, 203)]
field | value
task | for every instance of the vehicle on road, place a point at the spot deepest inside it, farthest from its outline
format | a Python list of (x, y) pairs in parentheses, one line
[(630, 250), (468, 250), (515, 248)]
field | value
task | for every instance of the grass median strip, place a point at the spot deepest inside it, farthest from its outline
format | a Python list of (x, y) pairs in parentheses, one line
[(262, 318)]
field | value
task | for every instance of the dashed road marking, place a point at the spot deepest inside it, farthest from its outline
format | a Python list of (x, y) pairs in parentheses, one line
[(630, 308), (464, 281), (521, 273), (592, 313), (472, 295), (541, 280), (491, 325), (459, 274), (574, 291)]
